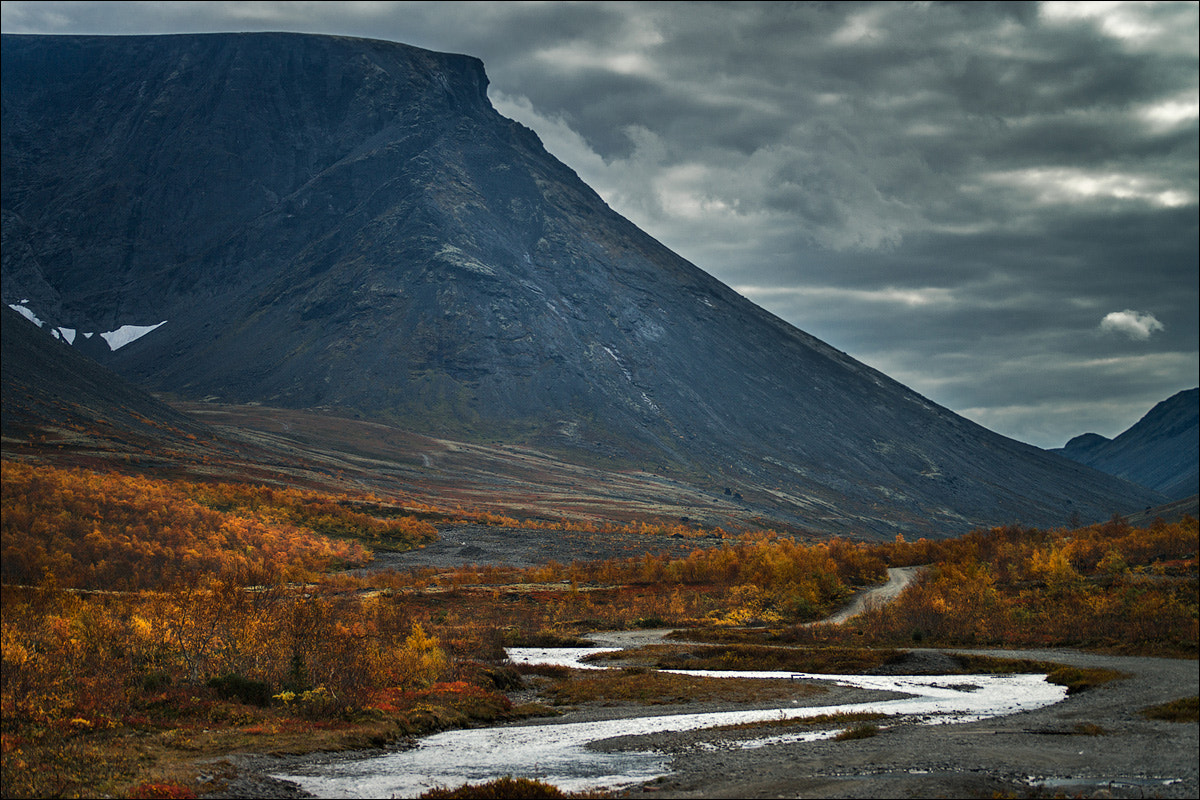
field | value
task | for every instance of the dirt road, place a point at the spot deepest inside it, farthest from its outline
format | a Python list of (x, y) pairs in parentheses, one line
[(1092, 744), (898, 578)]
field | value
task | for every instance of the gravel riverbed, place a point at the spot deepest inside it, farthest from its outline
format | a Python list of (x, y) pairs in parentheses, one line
[(1044, 752), (1092, 744)]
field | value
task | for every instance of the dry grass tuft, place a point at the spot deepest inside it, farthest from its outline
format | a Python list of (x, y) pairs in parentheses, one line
[(1185, 709), (864, 731)]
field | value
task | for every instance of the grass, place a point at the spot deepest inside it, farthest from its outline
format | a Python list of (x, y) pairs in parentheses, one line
[(841, 660), (864, 731), (1076, 679), (820, 720), (1185, 709), (823, 660), (506, 788), (648, 687), (1079, 679), (545, 638)]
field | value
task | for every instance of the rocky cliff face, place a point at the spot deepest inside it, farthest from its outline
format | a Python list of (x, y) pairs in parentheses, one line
[(324, 222), (1161, 451)]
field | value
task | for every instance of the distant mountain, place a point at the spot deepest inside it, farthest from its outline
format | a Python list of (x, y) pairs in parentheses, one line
[(342, 224), (1160, 451)]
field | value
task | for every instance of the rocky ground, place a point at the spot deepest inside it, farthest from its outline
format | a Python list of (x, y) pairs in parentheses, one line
[(1045, 752), (464, 545)]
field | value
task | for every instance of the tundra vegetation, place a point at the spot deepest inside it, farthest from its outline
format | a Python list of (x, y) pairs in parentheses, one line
[(150, 623)]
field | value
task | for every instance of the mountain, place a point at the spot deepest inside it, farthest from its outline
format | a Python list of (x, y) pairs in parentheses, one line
[(315, 222), (1161, 450)]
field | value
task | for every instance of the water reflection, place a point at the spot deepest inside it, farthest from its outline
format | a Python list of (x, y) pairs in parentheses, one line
[(558, 753)]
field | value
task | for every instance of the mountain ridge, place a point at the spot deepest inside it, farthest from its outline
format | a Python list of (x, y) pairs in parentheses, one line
[(404, 253), (1160, 451)]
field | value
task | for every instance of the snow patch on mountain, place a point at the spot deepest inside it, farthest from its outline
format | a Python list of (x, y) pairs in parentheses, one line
[(26, 312), (116, 339), (128, 333)]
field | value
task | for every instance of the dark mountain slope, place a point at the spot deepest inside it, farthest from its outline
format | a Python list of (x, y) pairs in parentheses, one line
[(49, 389), (1161, 450), (335, 223)]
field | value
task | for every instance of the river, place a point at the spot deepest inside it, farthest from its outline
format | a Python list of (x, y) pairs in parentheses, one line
[(561, 753)]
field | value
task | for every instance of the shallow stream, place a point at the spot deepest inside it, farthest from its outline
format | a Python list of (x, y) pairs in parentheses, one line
[(559, 753)]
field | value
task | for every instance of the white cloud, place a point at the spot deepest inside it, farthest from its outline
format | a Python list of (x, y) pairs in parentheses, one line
[(1169, 113), (908, 297), (1134, 324), (1159, 27), (1062, 185)]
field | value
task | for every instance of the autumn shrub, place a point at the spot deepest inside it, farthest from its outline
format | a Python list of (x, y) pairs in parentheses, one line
[(545, 638), (1080, 679), (162, 790), (68, 654), (827, 660), (235, 687), (863, 731), (506, 788), (1106, 586), (500, 677), (109, 531), (373, 521)]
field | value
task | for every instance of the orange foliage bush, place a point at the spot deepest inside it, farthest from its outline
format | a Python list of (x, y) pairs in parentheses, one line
[(67, 654), (166, 790), (112, 531), (1107, 585), (319, 512)]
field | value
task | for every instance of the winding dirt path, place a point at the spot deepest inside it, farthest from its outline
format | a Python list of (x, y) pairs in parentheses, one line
[(898, 579)]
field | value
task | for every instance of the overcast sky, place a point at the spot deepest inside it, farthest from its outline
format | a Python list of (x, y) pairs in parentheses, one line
[(995, 204)]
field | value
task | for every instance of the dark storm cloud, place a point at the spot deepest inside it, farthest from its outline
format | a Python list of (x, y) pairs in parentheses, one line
[(958, 194)]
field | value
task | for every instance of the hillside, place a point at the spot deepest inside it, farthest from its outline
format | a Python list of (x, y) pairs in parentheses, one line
[(343, 225), (49, 389), (1160, 451)]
